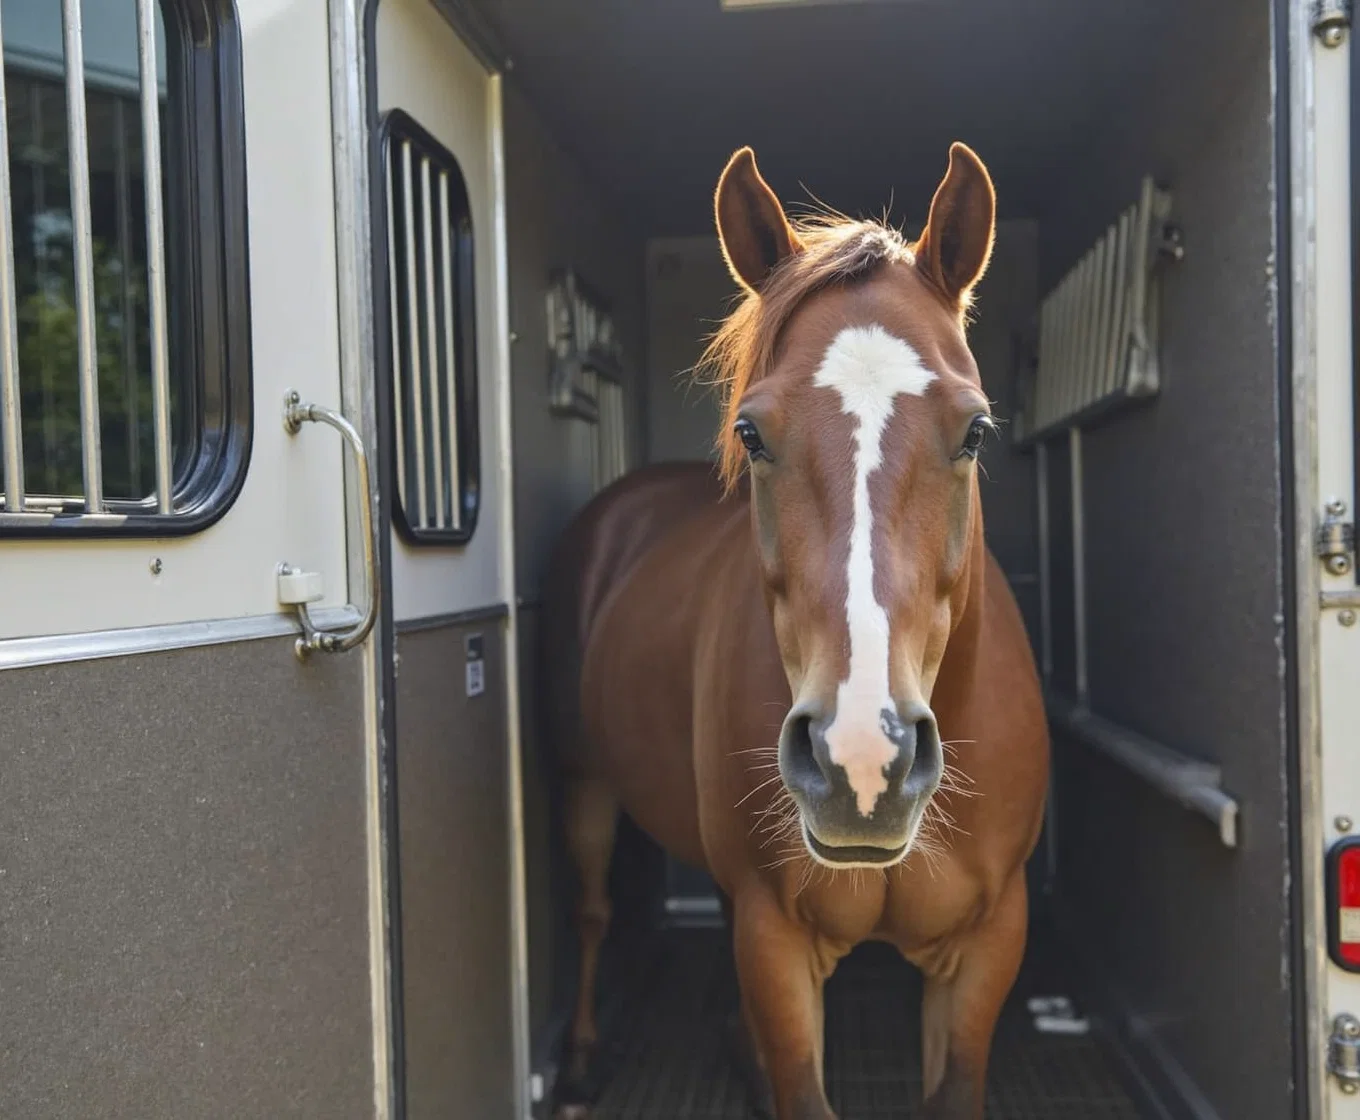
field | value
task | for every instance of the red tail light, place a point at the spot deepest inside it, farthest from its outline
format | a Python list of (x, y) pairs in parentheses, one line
[(1343, 903)]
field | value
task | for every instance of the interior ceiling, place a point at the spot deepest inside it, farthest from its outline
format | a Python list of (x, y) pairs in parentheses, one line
[(854, 102)]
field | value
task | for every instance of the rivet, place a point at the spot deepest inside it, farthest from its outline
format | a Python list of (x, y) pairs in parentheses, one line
[(1343, 824), (156, 565), (1346, 617), (1332, 36)]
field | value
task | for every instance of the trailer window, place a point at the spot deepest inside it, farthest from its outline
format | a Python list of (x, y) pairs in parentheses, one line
[(431, 339), (124, 366)]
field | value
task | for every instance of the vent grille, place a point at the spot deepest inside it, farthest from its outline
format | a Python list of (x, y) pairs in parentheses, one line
[(1098, 329), (431, 329)]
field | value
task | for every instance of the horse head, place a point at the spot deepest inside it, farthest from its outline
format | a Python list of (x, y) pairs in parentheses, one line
[(853, 402)]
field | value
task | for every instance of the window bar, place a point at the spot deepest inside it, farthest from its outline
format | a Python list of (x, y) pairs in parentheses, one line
[(413, 335), (451, 352), (432, 340), (397, 408), (77, 141), (10, 419), (42, 259), (123, 188), (155, 250)]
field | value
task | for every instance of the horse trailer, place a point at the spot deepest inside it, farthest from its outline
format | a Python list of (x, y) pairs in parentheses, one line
[(321, 322)]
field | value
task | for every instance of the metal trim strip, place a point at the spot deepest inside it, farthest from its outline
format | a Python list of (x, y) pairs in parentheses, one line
[(493, 613), (56, 649)]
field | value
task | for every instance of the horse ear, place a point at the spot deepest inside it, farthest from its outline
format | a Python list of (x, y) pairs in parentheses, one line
[(957, 243), (752, 227)]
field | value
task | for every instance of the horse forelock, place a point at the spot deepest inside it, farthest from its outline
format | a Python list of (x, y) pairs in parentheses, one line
[(836, 250)]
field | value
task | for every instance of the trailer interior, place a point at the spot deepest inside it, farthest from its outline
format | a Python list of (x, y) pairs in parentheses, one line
[(1162, 912)]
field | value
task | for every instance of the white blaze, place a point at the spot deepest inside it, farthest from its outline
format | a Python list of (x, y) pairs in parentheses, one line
[(868, 367)]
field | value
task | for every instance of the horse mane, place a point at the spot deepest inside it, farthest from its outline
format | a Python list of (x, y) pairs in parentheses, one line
[(836, 250)]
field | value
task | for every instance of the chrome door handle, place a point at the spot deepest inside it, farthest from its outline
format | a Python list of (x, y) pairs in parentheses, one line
[(296, 412)]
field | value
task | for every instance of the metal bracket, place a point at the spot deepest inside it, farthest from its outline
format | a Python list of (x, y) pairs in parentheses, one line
[(295, 588), (1331, 21), (1343, 1052), (1336, 540)]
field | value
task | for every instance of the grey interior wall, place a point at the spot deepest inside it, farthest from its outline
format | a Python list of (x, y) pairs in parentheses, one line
[(556, 216), (184, 888), (1182, 510), (688, 291)]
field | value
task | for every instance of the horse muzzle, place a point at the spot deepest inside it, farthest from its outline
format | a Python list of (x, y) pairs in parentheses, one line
[(861, 787)]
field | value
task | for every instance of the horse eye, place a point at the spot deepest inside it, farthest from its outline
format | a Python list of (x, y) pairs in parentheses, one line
[(750, 439), (976, 437)]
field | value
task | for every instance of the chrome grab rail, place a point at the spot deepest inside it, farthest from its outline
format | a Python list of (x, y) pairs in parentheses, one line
[(296, 412)]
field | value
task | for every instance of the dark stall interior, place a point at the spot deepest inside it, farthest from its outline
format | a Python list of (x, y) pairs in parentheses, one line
[(619, 117)]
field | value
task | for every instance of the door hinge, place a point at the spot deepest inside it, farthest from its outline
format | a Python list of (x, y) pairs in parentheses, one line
[(1343, 1052), (1331, 21), (1336, 539)]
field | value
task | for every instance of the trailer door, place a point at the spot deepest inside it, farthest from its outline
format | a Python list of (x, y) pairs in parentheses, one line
[(441, 313), (188, 902), (1324, 96)]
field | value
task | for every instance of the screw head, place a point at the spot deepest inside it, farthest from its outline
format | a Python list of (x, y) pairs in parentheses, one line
[(1346, 617), (1348, 1088), (1343, 824), (1332, 36), (156, 565), (1336, 507)]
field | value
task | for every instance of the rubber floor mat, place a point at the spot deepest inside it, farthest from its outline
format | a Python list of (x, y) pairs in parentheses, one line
[(668, 1056)]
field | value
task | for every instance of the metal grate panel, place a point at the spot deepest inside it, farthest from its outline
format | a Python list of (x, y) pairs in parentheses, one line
[(669, 1055), (1098, 328), (431, 328)]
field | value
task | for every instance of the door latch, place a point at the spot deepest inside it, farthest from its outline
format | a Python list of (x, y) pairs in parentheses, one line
[(1336, 539), (297, 588), (1343, 1052)]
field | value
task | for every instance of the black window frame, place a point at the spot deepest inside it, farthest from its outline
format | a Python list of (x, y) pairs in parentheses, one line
[(207, 271), (396, 125)]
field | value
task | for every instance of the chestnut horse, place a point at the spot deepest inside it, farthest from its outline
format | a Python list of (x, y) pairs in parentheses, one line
[(766, 669)]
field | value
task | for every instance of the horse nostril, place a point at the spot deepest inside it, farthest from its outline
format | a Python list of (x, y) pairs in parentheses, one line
[(804, 756), (927, 765)]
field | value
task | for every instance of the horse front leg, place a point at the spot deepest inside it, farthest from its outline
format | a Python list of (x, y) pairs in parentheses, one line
[(781, 980), (591, 819), (960, 1010)]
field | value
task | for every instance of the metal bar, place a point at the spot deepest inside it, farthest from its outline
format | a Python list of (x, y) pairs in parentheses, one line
[(1046, 650), (41, 252), (11, 420), (1119, 327), (122, 188), (1189, 782), (1138, 275), (1078, 563), (437, 465), (83, 245), (451, 356), (395, 326), (1045, 563), (413, 335), (1083, 325), (155, 253), (1100, 288)]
